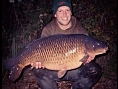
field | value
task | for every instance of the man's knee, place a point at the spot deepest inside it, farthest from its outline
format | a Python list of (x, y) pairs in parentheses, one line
[(91, 73), (39, 73), (94, 67), (44, 79)]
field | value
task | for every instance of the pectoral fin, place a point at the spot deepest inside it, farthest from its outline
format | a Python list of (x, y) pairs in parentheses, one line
[(84, 59), (61, 73)]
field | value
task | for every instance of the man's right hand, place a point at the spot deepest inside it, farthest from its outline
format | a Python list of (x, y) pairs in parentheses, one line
[(36, 65)]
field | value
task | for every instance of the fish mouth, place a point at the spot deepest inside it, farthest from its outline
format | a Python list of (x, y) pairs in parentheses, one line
[(106, 49), (102, 51)]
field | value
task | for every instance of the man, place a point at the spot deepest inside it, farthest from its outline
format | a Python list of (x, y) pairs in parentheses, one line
[(83, 77)]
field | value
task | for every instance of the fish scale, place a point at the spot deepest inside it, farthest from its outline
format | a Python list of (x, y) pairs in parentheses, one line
[(58, 52)]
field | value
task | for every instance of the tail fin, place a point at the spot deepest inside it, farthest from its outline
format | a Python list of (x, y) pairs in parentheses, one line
[(15, 72), (9, 63)]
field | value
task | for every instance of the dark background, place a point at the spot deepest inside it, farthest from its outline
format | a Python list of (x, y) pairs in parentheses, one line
[(22, 22)]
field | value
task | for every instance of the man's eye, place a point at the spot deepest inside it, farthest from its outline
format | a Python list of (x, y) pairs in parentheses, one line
[(60, 11), (68, 10)]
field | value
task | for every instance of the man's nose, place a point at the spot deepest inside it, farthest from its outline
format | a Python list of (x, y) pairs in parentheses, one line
[(65, 13)]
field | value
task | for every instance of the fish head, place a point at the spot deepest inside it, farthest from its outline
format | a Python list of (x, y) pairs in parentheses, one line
[(95, 46), (99, 47)]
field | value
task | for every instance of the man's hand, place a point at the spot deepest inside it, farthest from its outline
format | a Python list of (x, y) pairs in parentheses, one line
[(36, 65)]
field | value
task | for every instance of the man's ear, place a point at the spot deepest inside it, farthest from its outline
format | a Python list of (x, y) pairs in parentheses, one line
[(55, 15)]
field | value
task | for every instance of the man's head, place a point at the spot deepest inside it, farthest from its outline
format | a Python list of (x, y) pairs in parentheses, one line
[(62, 11), (59, 3)]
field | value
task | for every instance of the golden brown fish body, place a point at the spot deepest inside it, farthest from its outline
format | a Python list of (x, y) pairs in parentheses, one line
[(58, 52), (54, 53)]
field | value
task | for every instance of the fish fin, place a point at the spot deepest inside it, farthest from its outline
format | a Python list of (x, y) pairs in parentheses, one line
[(61, 73), (91, 57), (9, 63), (15, 72), (84, 59)]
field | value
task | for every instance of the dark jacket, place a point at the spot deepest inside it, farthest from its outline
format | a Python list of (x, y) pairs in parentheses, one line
[(52, 28)]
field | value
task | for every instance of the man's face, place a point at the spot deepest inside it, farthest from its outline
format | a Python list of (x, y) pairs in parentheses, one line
[(63, 15)]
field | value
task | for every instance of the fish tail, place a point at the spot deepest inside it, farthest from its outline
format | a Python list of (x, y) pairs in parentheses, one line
[(15, 72), (9, 63)]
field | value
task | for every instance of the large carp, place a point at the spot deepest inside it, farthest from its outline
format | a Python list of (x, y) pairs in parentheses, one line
[(58, 52)]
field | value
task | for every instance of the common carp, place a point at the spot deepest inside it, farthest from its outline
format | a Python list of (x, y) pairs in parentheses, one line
[(58, 52)]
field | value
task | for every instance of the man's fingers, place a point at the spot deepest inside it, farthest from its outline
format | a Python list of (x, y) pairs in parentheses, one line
[(32, 65), (39, 64), (36, 65)]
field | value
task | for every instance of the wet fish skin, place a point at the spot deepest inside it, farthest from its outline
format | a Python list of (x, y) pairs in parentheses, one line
[(58, 52)]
